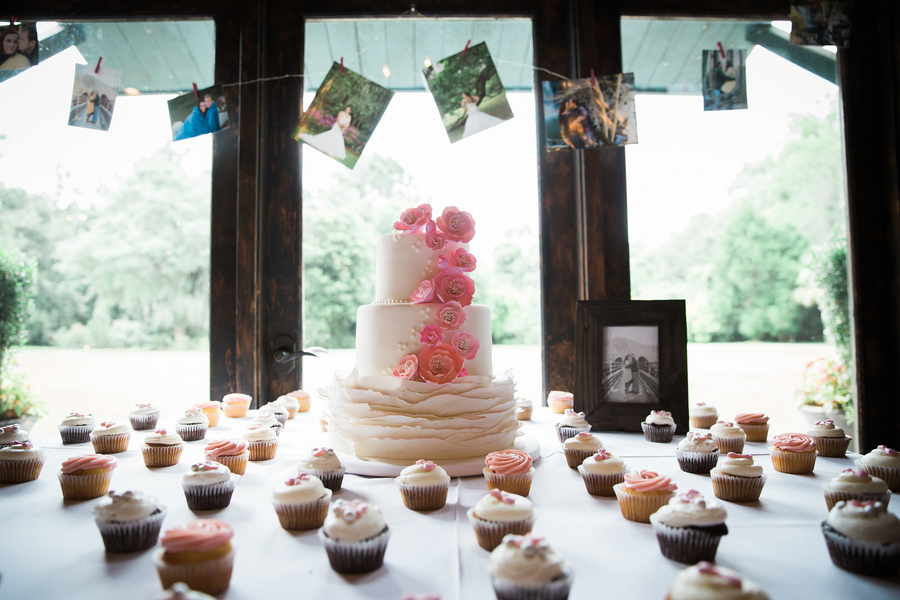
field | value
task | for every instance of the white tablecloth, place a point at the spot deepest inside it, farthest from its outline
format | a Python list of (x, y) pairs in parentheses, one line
[(52, 549)]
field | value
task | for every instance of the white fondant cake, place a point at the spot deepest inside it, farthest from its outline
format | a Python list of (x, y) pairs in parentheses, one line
[(423, 384)]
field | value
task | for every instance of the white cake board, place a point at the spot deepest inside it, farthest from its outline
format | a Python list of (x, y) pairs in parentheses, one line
[(463, 467)]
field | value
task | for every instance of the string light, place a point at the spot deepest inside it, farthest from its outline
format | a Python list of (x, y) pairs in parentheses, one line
[(427, 63), (386, 70)]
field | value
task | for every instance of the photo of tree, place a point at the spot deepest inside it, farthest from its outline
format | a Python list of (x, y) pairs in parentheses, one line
[(724, 80), (580, 115), (343, 115), (468, 92)]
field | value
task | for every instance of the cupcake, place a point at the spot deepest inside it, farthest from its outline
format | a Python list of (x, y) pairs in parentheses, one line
[(697, 453), (737, 479), (581, 447), (143, 417), (705, 580), (689, 528), (703, 415), (884, 463), (831, 442), (423, 486), (235, 405), (755, 425), (301, 502), (198, 554), (499, 513), (181, 591), (855, 484), (560, 401), (87, 476), (602, 472), (524, 566), (12, 433), (76, 428), (510, 471), (863, 538), (643, 493), (110, 438), (21, 462), (355, 536), (268, 420), (262, 442), (524, 409), (276, 410), (728, 437), (659, 426), (571, 425), (302, 398), (192, 425), (129, 522), (212, 410), (324, 464), (208, 486), (234, 454), (793, 453), (290, 404), (162, 448)]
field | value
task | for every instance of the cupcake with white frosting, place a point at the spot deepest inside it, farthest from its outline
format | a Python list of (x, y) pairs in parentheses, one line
[(697, 453), (884, 463), (262, 442), (110, 437), (355, 536), (524, 409), (559, 401), (192, 425), (143, 416), (20, 462), (304, 400), (831, 441), (525, 566), (659, 426), (129, 522), (76, 428), (268, 419), (290, 404), (728, 436), (856, 484), (703, 415), (423, 486), (689, 528), (162, 448), (737, 479), (236, 406), (601, 472), (863, 538), (182, 591), (212, 410), (301, 502), (324, 464), (12, 433), (208, 486), (500, 513), (581, 447), (276, 410), (705, 581), (572, 424)]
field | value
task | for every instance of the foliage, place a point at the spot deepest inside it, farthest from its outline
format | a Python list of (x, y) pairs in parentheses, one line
[(834, 294), (511, 288), (16, 281), (827, 383), (16, 397)]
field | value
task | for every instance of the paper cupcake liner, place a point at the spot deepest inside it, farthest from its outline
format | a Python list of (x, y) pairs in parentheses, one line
[(736, 489), (143, 422), (75, 434), (131, 536), (686, 545), (193, 432), (564, 432), (213, 415), (332, 478), (208, 576), (302, 517), (793, 463), (601, 484), (281, 418), (639, 507), (574, 458), (161, 456), (755, 433), (524, 414), (263, 449), (557, 589), (662, 434), (356, 557), (235, 411), (236, 463), (704, 422), (860, 557), (832, 497), (209, 497), (292, 411), (833, 447), (700, 463), (111, 444), (890, 475), (21, 471), (84, 487), (416, 497), (490, 533), (514, 484), (727, 445), (303, 405)]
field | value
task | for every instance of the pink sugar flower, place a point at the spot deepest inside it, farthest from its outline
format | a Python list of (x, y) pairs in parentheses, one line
[(466, 344), (450, 315), (424, 293), (408, 369), (458, 225), (414, 219), (462, 260), (453, 284), (439, 364), (435, 238), (432, 335)]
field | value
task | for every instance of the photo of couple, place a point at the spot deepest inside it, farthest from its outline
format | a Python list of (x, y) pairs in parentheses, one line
[(724, 80), (19, 49), (94, 97), (579, 114), (821, 22), (631, 364), (191, 115)]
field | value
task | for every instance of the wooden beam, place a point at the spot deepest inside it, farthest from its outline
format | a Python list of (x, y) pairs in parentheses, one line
[(757, 10)]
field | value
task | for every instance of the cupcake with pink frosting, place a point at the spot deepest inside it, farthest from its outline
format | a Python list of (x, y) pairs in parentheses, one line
[(793, 453), (737, 479), (87, 476), (643, 493), (559, 401), (884, 463), (235, 406), (659, 426), (856, 484), (831, 441), (198, 554), (301, 502), (601, 472), (498, 514), (755, 425), (212, 410), (162, 448), (234, 454), (510, 471), (580, 447), (689, 528), (423, 486)]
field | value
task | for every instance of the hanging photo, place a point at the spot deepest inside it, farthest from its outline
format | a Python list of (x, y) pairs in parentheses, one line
[(192, 115), (20, 49), (343, 115), (820, 22), (579, 115), (94, 97), (724, 80), (468, 92)]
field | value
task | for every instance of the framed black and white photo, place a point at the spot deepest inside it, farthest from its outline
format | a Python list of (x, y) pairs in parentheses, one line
[(631, 358)]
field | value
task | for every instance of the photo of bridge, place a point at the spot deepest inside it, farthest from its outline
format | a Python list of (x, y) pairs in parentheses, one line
[(631, 364)]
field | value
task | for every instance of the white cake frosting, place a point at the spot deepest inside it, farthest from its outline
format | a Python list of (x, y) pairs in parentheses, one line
[(402, 261)]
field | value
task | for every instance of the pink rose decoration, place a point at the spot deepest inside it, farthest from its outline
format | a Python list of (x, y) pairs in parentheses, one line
[(450, 315), (432, 336), (462, 260), (424, 293), (414, 219), (466, 344), (434, 238), (463, 373), (458, 225), (439, 364), (408, 369), (454, 285)]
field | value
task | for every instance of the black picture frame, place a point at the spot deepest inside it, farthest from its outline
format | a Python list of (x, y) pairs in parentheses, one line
[(592, 319)]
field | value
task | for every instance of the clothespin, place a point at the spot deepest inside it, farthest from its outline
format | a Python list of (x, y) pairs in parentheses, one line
[(99, 62), (721, 50), (342, 64), (466, 48), (12, 20), (593, 79), (815, 4), (196, 93)]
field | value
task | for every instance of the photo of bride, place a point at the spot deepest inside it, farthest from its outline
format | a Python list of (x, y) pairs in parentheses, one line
[(468, 92)]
